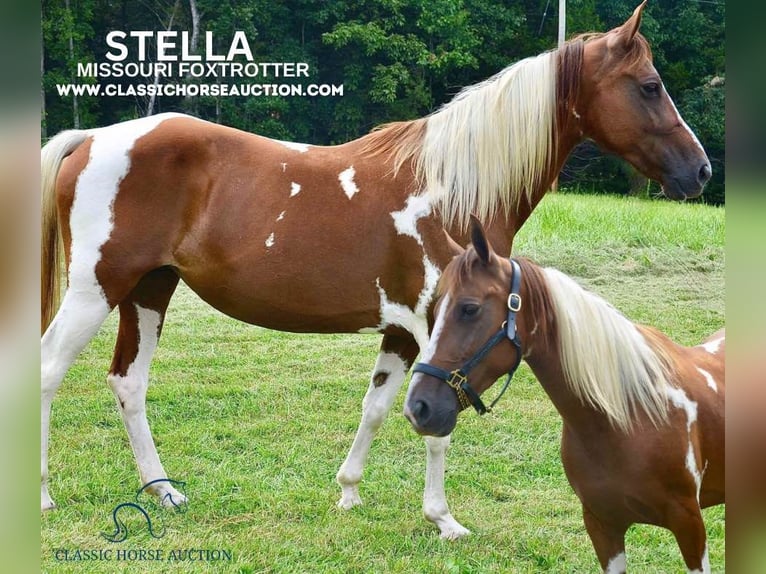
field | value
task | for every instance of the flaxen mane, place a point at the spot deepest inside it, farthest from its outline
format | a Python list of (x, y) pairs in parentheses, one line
[(610, 363), (494, 143)]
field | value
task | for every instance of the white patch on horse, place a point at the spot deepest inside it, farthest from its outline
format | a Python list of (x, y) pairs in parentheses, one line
[(92, 218), (406, 223), (680, 400), (406, 220), (299, 147), (281, 216), (709, 379), (295, 189), (712, 346), (346, 178), (616, 565), (270, 240), (284, 166), (391, 313)]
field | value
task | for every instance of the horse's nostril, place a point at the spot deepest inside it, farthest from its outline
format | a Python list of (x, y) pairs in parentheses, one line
[(420, 411), (705, 173)]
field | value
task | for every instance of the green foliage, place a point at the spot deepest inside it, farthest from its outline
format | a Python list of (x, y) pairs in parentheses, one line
[(397, 59)]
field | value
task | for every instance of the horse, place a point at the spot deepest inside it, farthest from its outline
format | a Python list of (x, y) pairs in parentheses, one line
[(142, 204), (643, 434)]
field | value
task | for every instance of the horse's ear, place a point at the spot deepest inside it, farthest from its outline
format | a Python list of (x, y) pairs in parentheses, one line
[(628, 30), (479, 240), (453, 245)]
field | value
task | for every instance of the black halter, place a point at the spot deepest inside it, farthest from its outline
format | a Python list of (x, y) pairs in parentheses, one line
[(458, 379)]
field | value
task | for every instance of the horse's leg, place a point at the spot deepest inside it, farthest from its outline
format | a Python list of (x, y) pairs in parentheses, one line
[(81, 313), (141, 317), (608, 542), (435, 506), (397, 353), (685, 521), (394, 360)]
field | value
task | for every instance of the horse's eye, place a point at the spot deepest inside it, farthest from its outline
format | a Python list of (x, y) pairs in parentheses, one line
[(469, 310), (650, 89)]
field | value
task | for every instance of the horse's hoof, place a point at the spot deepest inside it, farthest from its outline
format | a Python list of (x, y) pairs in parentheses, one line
[(454, 532), (173, 499), (349, 499)]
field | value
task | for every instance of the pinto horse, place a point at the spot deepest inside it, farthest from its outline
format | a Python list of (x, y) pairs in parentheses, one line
[(141, 204), (643, 438)]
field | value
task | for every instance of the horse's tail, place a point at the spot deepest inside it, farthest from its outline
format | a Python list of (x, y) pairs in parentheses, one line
[(51, 156)]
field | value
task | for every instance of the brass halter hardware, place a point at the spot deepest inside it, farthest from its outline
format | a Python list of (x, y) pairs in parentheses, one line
[(458, 379)]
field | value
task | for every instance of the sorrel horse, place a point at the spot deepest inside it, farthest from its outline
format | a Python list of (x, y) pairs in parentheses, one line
[(239, 217), (643, 438)]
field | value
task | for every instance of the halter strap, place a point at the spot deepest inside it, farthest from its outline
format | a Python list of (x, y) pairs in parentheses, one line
[(458, 379)]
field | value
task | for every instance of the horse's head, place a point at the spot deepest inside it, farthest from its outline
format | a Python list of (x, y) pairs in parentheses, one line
[(624, 108), (471, 341)]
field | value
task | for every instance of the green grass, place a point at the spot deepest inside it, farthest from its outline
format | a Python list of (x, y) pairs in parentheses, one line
[(257, 423)]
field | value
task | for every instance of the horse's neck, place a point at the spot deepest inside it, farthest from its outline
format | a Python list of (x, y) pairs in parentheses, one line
[(503, 229), (547, 368), (540, 351)]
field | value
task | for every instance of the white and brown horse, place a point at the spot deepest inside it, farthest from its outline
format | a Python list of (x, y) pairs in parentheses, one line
[(643, 438), (347, 238)]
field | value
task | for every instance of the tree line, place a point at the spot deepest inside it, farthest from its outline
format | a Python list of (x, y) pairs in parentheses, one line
[(396, 60)]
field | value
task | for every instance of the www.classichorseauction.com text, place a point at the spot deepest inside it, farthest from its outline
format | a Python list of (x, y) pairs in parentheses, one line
[(158, 55)]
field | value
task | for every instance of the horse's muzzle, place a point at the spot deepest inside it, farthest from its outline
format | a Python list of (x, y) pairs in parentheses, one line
[(687, 182), (431, 410)]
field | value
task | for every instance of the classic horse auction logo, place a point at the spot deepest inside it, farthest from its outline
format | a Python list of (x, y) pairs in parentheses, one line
[(120, 528)]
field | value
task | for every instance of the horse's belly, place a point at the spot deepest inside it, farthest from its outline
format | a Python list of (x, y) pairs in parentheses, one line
[(291, 304)]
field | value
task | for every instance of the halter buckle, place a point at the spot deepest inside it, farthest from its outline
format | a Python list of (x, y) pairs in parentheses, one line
[(456, 379), (514, 302)]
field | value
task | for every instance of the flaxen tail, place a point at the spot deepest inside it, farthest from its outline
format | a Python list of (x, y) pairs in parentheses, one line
[(51, 156)]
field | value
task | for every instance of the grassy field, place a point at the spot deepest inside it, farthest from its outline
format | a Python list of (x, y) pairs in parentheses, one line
[(257, 423)]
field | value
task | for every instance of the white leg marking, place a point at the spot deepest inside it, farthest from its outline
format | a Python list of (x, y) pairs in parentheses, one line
[(270, 240), (91, 221), (299, 147), (295, 189), (130, 392), (346, 178), (712, 346), (616, 565), (709, 379), (375, 407), (435, 506), (77, 321)]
